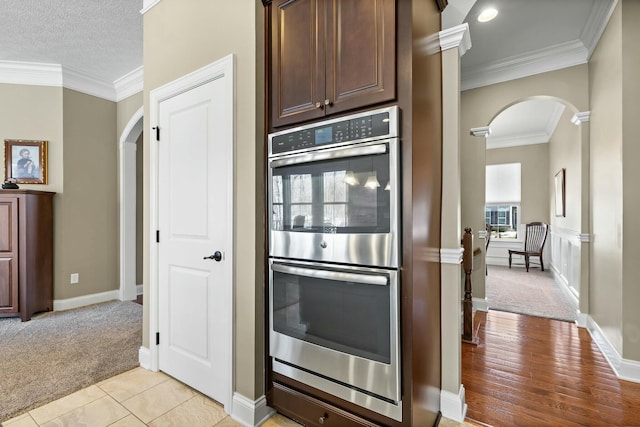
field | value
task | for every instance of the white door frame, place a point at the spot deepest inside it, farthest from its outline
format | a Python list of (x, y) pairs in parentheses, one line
[(221, 68), (127, 194)]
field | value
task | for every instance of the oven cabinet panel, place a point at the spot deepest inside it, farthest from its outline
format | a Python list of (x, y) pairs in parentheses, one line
[(330, 56), (312, 412)]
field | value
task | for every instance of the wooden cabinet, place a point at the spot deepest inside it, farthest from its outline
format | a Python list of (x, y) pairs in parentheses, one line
[(330, 56), (26, 252)]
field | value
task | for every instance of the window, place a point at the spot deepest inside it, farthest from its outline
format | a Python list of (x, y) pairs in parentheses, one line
[(502, 195)]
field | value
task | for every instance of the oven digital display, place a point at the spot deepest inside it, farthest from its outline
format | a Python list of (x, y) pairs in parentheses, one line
[(324, 135)]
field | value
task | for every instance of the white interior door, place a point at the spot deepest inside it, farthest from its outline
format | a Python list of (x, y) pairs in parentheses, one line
[(195, 177)]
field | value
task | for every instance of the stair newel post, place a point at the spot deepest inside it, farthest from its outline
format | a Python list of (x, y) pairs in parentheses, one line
[(467, 304)]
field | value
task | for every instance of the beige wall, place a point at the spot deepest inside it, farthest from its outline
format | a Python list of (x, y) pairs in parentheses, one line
[(80, 130), (534, 160), (35, 112), (565, 151), (86, 233), (606, 181), (615, 174), (479, 107), (181, 36), (630, 179)]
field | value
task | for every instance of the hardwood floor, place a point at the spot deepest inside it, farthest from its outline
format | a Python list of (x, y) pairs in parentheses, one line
[(532, 371)]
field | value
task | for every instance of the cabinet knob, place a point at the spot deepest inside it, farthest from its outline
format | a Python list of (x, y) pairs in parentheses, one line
[(328, 103), (323, 418), (319, 105)]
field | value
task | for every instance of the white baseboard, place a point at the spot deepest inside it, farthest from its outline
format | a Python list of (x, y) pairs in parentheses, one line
[(480, 304), (144, 358), (582, 320), (250, 413), (69, 303), (624, 369), (453, 406)]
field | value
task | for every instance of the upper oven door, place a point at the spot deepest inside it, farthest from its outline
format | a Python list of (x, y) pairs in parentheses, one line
[(337, 204)]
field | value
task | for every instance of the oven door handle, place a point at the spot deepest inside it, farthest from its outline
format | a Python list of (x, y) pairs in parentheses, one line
[(342, 276), (329, 155)]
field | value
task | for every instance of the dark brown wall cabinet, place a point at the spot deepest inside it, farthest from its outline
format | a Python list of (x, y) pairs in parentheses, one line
[(26, 252), (330, 56)]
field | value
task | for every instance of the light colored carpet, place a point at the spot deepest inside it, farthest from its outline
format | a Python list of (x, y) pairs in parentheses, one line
[(534, 293), (57, 353)]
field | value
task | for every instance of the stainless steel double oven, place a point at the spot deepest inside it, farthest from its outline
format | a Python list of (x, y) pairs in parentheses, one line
[(334, 257)]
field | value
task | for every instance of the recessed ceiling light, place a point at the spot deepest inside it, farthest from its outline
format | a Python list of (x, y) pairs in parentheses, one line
[(487, 15)]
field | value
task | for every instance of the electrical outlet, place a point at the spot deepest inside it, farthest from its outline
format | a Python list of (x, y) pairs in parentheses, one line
[(75, 277)]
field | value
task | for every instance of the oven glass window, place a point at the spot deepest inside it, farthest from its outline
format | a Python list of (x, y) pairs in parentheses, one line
[(349, 317), (334, 196)]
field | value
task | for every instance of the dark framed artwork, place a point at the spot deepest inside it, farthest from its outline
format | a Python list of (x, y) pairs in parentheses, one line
[(25, 161), (560, 193)]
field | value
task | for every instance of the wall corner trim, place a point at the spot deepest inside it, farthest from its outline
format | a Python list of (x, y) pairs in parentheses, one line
[(484, 131), (624, 369), (250, 412), (451, 256), (581, 117), (144, 358), (481, 304), (453, 405), (457, 36), (147, 5)]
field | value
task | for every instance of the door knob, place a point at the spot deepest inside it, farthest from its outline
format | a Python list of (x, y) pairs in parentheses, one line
[(217, 255)]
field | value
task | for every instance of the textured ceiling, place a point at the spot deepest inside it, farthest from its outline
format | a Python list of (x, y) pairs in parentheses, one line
[(100, 38)]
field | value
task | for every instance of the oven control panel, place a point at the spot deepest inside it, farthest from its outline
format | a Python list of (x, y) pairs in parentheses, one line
[(374, 124)]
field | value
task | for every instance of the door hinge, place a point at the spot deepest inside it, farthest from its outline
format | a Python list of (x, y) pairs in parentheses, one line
[(157, 338), (157, 129), (157, 236)]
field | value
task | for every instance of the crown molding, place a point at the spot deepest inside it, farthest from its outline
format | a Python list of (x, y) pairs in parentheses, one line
[(517, 140), (147, 5), (554, 118), (581, 117), (30, 73), (129, 84), (538, 61), (81, 82), (596, 23), (481, 131), (457, 36), (38, 74)]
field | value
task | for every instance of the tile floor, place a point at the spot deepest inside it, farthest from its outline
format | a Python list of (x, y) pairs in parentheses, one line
[(139, 398), (135, 398)]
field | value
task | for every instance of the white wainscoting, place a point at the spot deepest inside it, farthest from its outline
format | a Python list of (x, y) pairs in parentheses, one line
[(565, 257)]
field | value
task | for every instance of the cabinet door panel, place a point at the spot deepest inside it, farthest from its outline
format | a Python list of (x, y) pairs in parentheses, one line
[(360, 53), (9, 256), (298, 62)]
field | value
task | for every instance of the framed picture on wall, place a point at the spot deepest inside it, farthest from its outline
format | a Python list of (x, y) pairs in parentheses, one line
[(560, 190), (25, 161)]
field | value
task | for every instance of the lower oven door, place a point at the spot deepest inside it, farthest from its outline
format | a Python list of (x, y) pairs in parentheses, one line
[(337, 327)]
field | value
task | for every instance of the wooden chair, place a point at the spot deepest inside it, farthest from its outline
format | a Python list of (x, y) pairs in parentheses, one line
[(486, 248), (535, 236)]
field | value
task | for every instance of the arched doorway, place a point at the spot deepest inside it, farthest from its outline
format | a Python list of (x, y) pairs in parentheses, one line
[(128, 167)]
